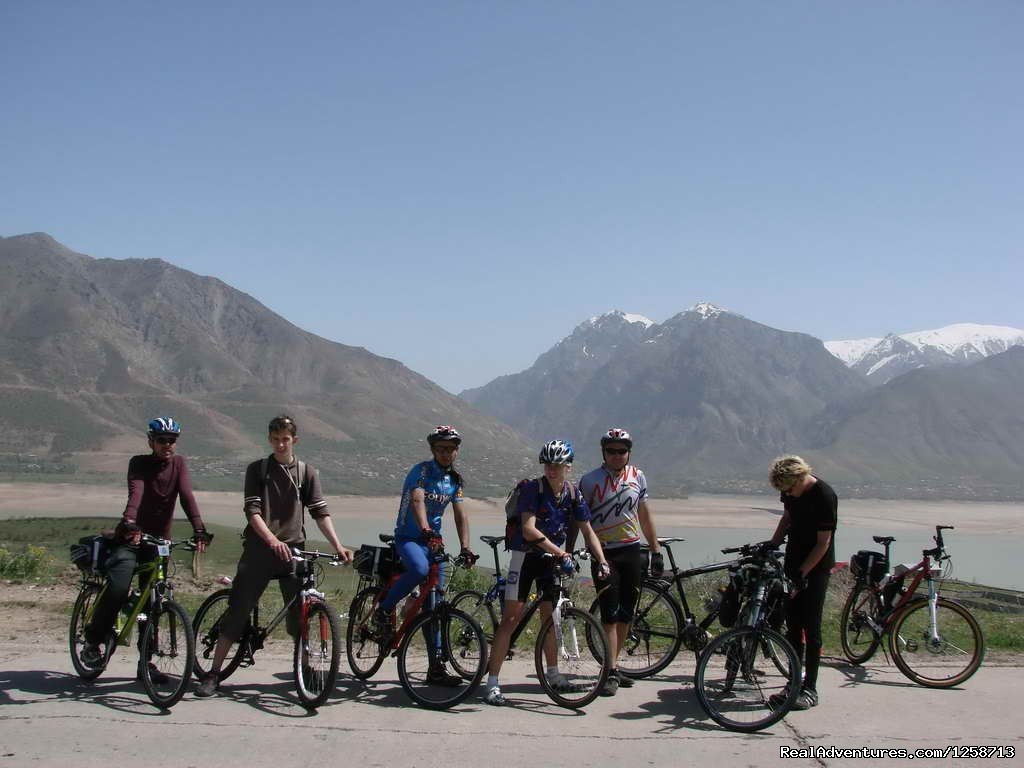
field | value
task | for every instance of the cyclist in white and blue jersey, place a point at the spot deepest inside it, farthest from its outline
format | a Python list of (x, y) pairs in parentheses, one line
[(429, 487)]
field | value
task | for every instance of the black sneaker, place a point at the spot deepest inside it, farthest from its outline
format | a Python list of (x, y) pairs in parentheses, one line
[(91, 655), (440, 676), (625, 682), (209, 685), (611, 685), (806, 699), (380, 626)]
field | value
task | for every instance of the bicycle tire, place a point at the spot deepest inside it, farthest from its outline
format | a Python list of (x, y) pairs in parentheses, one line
[(80, 616), (859, 639), (416, 659), (654, 636), (479, 609), (168, 654), (734, 690), (317, 655), (365, 654), (581, 651), (206, 626), (943, 663)]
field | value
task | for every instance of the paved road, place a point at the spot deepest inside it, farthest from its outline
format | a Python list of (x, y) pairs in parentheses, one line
[(48, 717)]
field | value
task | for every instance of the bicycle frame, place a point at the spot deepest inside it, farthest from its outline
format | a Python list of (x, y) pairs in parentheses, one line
[(923, 570), (153, 587)]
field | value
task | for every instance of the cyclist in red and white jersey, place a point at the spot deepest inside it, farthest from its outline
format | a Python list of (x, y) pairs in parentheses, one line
[(616, 493)]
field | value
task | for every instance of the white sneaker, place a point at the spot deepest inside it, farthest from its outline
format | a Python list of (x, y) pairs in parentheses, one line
[(494, 697)]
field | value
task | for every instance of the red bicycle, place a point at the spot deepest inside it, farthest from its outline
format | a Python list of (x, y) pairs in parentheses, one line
[(934, 641), (432, 634)]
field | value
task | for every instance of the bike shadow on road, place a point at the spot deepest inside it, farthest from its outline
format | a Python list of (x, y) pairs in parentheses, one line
[(860, 674), (122, 694), (675, 707), (278, 698)]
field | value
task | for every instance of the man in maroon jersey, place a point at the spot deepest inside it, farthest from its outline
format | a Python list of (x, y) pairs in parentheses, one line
[(155, 481)]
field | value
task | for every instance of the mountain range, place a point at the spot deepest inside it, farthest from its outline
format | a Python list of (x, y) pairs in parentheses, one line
[(94, 348), (712, 396)]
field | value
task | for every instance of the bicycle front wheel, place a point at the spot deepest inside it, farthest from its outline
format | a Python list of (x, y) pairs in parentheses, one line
[(435, 640), (476, 605), (938, 657), (317, 655), (747, 678), (858, 638), (654, 636), (168, 654), (580, 653), (365, 653), (207, 624), (81, 615)]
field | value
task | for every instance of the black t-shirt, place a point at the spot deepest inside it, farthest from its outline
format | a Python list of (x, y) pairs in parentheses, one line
[(814, 510)]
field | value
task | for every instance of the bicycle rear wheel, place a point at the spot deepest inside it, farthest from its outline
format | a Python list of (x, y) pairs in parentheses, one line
[(168, 654), (80, 617), (747, 678), (856, 635), (654, 636), (581, 653), (317, 655), (479, 609), (365, 653), (206, 625), (943, 659)]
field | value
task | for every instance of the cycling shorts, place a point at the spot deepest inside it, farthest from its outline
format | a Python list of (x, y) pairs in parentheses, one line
[(524, 569)]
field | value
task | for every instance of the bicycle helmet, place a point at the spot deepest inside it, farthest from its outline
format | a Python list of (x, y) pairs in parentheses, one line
[(557, 452), (444, 432), (164, 425), (617, 435)]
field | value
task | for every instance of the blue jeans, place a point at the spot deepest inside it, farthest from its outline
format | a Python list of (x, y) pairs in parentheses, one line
[(416, 559)]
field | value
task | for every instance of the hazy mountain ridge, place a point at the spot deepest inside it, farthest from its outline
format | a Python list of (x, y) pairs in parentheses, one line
[(711, 397), (98, 346)]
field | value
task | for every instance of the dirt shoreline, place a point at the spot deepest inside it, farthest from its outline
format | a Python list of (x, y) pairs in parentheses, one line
[(699, 511)]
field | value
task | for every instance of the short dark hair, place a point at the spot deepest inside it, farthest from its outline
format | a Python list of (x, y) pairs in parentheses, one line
[(281, 423)]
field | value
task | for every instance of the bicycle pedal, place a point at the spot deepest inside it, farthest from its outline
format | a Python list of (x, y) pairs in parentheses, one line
[(248, 661)]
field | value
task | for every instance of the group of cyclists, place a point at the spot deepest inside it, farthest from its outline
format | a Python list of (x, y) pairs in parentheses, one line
[(608, 507)]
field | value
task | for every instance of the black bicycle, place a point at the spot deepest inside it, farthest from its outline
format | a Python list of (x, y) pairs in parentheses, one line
[(317, 648)]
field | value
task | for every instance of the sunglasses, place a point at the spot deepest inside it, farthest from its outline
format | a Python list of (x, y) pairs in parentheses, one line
[(617, 451), (165, 440)]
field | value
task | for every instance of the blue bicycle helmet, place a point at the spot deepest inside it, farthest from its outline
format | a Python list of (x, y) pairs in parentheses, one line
[(164, 425)]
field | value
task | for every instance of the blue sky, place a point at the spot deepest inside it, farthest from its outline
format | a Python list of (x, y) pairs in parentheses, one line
[(458, 184)]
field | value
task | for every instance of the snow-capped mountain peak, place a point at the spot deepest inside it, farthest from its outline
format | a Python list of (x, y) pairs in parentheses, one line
[(628, 317), (707, 310), (885, 358)]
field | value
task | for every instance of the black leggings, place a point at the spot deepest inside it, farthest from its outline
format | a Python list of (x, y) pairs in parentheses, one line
[(803, 624), (618, 600)]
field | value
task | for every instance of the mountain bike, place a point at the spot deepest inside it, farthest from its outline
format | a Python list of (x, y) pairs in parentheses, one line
[(749, 677), (165, 644), (934, 641), (574, 637), (431, 634), (664, 622), (317, 647)]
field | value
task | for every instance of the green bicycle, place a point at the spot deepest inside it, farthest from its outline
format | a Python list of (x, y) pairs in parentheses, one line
[(166, 644)]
